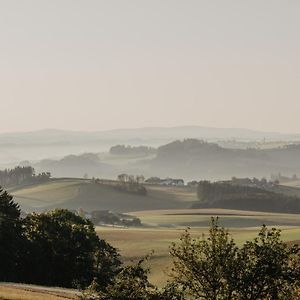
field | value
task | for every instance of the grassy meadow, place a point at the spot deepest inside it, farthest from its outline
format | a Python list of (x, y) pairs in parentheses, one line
[(79, 193), (165, 227)]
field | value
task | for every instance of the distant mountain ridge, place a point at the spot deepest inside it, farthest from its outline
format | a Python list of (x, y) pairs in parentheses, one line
[(48, 136), (55, 144)]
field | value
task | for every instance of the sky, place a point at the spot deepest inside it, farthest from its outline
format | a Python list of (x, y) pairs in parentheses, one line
[(97, 65)]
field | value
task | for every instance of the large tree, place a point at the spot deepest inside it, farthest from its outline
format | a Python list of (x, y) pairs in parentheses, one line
[(64, 250)]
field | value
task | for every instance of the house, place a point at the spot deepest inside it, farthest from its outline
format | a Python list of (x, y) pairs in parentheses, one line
[(167, 181), (178, 182)]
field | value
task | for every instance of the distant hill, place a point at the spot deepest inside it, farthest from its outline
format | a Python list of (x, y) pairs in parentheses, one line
[(256, 197), (196, 159), (137, 135), (55, 144), (87, 164)]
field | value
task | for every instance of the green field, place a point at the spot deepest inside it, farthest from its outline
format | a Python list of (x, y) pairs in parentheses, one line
[(166, 226), (201, 218), (136, 243), (78, 193)]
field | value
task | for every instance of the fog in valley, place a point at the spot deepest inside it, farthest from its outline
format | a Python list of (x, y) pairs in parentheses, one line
[(149, 149)]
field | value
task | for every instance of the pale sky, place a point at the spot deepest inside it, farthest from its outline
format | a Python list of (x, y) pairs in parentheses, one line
[(97, 65)]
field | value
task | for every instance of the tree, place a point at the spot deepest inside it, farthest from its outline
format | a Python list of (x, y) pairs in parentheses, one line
[(204, 268), (215, 268), (140, 179), (68, 247), (132, 283), (10, 238), (270, 269), (123, 177)]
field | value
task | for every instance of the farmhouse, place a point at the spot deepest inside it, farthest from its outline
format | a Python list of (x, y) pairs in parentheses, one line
[(167, 181)]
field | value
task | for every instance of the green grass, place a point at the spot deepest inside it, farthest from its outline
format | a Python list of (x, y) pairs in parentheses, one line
[(201, 218), (166, 226), (77, 193)]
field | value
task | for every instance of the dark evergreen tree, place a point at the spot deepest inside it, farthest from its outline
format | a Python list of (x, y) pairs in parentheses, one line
[(10, 238)]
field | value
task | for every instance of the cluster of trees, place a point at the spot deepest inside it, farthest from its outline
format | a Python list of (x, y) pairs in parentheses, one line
[(56, 248), (21, 175), (131, 184), (215, 268), (125, 183), (134, 151), (106, 217), (246, 197), (131, 178)]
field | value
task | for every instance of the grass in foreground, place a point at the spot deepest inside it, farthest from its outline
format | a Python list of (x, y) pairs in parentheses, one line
[(15, 292)]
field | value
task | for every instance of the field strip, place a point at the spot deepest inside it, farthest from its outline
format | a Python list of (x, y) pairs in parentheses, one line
[(51, 291)]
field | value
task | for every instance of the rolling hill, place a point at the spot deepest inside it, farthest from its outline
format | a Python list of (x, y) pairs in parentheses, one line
[(79, 193), (196, 159)]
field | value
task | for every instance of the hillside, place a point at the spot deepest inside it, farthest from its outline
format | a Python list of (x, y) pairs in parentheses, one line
[(85, 194), (54, 144), (196, 159), (261, 196)]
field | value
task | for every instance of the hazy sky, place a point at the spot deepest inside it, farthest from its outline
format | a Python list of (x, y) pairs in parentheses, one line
[(96, 65)]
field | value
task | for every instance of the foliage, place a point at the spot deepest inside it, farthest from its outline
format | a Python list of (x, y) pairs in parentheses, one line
[(10, 238), (248, 197), (68, 247), (215, 268), (108, 217), (270, 269), (21, 175), (205, 267), (130, 283)]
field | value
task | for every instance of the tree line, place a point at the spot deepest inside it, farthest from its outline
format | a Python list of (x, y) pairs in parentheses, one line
[(245, 197), (21, 175)]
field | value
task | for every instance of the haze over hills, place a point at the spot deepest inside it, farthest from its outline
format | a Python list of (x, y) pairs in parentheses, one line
[(52, 143), (55, 136), (190, 159), (204, 152)]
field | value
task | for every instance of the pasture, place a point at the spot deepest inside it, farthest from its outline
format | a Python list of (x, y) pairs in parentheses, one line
[(166, 227), (77, 193)]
